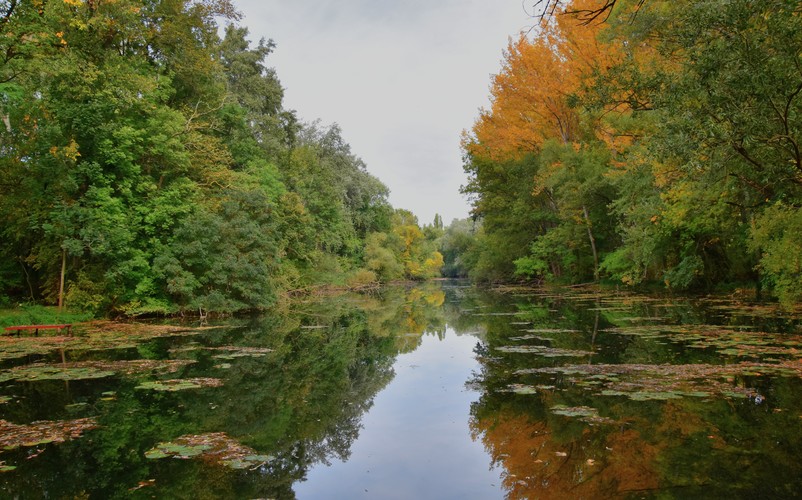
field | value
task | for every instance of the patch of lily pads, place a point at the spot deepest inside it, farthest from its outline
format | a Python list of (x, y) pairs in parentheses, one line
[(756, 310), (547, 352), (20, 347), (531, 337), (231, 352), (216, 448), (175, 385), (550, 330), (13, 436), (733, 342), (584, 413), (38, 372), (87, 370), (529, 389), (664, 382), (227, 352), (92, 336)]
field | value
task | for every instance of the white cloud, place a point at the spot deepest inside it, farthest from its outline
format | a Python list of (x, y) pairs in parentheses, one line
[(403, 78)]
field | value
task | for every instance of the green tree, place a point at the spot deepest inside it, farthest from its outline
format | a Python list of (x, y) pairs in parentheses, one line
[(223, 258), (456, 245)]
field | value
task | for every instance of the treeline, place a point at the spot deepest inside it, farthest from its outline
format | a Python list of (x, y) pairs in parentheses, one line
[(149, 166), (656, 142)]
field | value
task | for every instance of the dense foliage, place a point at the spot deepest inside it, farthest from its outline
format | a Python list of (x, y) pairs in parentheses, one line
[(150, 166), (659, 142)]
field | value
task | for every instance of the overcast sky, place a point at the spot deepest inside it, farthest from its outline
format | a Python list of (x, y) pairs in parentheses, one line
[(402, 78)]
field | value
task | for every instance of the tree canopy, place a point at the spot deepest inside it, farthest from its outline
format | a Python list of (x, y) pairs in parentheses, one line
[(659, 145), (150, 163)]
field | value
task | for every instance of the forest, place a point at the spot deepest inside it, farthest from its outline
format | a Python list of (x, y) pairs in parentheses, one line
[(149, 166), (641, 142)]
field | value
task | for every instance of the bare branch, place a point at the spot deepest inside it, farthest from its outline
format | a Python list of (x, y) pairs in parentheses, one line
[(602, 13)]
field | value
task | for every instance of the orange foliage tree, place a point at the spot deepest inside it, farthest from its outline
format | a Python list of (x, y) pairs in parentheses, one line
[(534, 96)]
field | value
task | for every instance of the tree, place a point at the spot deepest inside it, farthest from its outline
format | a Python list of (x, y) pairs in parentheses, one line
[(516, 152), (456, 245), (224, 258), (723, 82)]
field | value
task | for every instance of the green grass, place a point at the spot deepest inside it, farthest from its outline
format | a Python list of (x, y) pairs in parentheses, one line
[(40, 315)]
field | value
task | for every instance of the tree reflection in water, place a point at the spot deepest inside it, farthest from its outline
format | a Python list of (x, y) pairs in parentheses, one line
[(686, 428), (297, 383)]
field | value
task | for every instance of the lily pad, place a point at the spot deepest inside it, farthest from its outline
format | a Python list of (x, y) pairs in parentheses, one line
[(175, 385), (156, 453), (653, 395), (13, 436), (87, 370), (663, 382), (217, 448), (522, 389), (584, 413), (548, 352), (39, 371)]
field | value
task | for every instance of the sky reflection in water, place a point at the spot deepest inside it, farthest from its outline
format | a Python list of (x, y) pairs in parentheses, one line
[(415, 441)]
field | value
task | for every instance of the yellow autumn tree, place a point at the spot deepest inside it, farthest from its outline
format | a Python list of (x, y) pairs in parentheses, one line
[(533, 96)]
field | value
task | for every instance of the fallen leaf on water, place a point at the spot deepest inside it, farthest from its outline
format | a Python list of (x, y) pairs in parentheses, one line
[(143, 484)]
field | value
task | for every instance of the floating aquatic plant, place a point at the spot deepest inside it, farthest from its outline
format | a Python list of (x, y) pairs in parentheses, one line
[(85, 370), (39, 371), (232, 352), (584, 413), (522, 389), (661, 382), (217, 448), (175, 385), (548, 352), (13, 436), (227, 352)]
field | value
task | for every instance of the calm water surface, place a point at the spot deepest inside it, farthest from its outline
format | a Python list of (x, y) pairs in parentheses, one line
[(415, 441), (434, 391)]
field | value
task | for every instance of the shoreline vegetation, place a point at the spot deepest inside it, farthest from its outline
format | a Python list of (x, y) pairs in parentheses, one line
[(37, 314), (151, 168), (642, 142), (23, 314)]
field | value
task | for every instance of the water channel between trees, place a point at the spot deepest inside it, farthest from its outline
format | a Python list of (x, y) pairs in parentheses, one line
[(439, 390)]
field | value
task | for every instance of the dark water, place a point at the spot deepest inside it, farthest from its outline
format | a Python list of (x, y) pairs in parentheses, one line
[(434, 391)]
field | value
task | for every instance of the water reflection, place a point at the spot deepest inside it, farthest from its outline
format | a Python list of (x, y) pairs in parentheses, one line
[(676, 400), (565, 394), (295, 386)]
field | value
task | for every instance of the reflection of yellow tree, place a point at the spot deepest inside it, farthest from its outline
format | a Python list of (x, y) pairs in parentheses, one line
[(538, 466), (407, 314), (422, 312)]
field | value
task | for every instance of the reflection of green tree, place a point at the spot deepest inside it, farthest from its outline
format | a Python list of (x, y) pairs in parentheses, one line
[(302, 402)]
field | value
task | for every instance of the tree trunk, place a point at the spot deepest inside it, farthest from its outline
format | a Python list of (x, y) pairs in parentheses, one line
[(61, 283), (592, 244)]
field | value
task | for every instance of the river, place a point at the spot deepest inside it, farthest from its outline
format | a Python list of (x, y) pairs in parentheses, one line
[(439, 390)]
